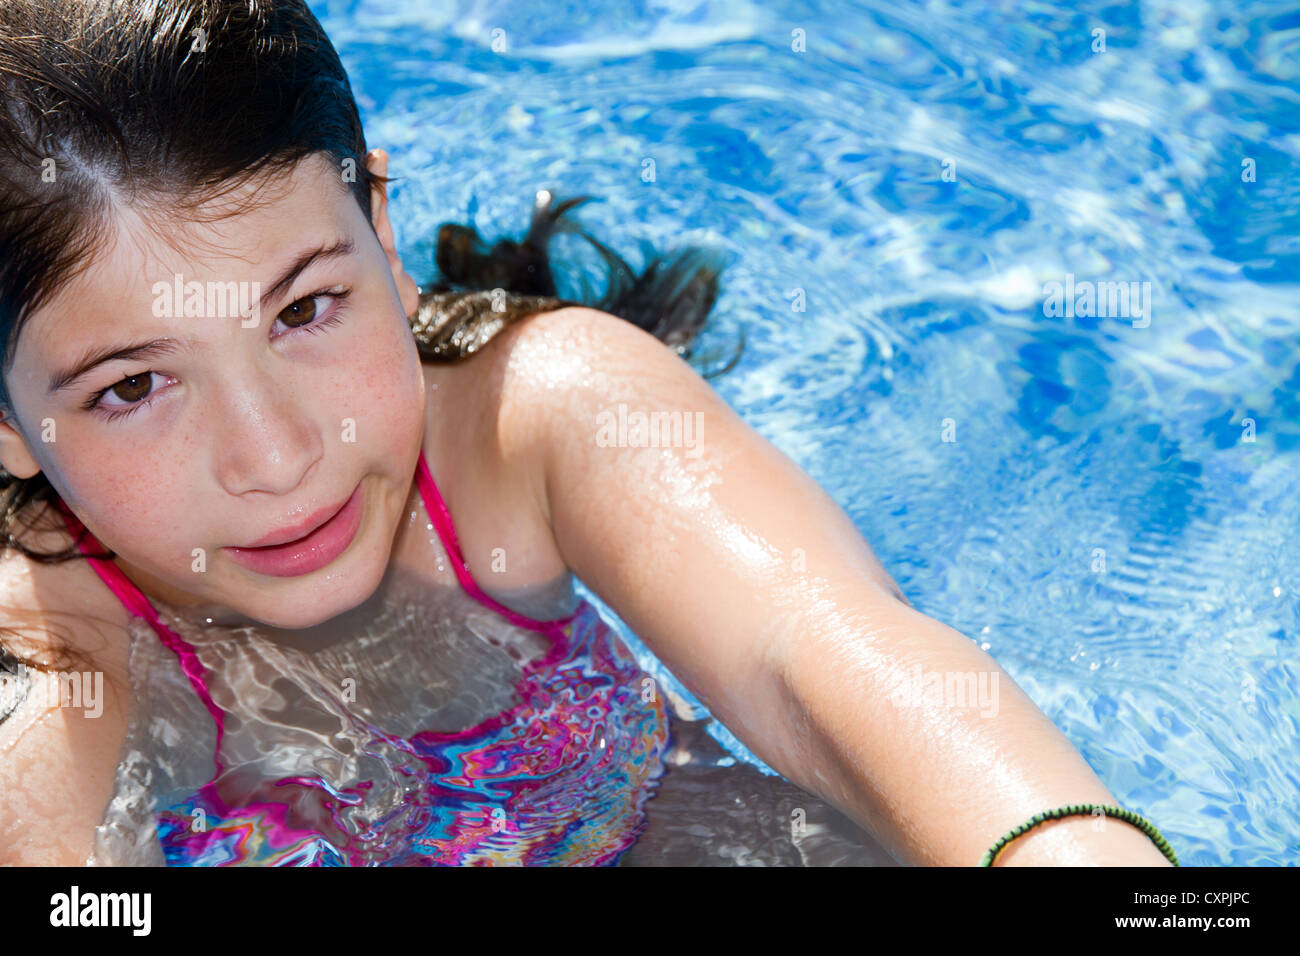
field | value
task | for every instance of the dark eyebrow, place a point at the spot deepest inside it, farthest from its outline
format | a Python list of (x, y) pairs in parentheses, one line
[(109, 353), (338, 248)]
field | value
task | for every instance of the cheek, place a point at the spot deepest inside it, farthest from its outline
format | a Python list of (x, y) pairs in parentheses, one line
[(133, 504), (377, 393)]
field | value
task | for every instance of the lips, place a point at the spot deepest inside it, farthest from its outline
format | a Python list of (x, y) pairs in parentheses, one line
[(296, 532), (309, 546)]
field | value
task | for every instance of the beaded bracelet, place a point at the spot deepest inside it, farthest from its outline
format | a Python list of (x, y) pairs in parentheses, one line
[(1076, 809)]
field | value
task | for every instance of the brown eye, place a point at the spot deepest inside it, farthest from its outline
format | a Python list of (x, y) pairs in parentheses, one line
[(306, 315), (134, 387), (299, 313)]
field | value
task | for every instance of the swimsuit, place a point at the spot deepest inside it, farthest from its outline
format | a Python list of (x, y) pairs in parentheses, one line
[(244, 751)]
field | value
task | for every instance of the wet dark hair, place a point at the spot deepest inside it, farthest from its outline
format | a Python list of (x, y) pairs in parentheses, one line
[(169, 104)]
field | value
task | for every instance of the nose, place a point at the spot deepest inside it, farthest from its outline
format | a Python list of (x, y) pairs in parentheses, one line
[(266, 441)]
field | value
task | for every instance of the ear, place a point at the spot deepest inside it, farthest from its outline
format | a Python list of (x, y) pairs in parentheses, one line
[(14, 456), (377, 163)]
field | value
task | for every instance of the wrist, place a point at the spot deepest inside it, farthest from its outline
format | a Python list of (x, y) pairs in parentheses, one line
[(1082, 841)]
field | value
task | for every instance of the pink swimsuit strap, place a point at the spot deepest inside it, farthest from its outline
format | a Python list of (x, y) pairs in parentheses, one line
[(437, 510), (134, 600), (123, 588)]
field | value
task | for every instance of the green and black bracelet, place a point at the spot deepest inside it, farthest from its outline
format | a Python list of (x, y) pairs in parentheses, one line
[(1079, 809)]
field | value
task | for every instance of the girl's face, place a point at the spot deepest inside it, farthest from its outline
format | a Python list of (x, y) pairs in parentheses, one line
[(250, 445)]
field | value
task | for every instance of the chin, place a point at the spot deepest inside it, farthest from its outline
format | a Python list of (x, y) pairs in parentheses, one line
[(304, 605)]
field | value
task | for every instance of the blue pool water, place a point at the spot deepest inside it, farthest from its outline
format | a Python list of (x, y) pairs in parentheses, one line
[(1108, 504)]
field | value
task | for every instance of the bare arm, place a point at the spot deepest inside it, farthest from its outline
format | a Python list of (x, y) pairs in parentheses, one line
[(759, 593)]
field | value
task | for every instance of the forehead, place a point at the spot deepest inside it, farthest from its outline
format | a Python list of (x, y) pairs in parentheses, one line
[(240, 236)]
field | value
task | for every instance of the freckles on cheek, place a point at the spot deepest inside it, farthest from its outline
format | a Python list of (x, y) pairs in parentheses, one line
[(382, 390), (138, 503)]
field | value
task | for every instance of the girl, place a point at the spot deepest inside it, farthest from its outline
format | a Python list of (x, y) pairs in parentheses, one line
[(330, 520)]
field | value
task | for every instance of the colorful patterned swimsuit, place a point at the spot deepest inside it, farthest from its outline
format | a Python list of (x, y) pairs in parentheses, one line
[(241, 751)]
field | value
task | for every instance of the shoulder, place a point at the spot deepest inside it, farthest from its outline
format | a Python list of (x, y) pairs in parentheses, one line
[(501, 422), (52, 613), (575, 336), (598, 412), (531, 375), (558, 369), (58, 605), (60, 614)]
